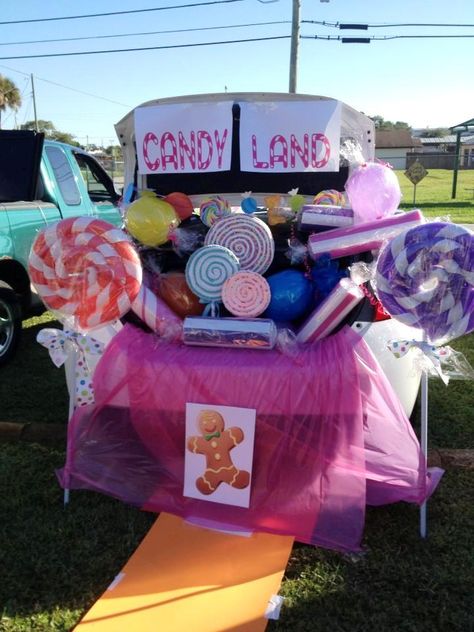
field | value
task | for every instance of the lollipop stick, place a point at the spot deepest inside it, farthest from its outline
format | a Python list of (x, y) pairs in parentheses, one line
[(424, 445)]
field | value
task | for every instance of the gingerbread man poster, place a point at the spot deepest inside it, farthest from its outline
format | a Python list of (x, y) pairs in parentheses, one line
[(219, 453)]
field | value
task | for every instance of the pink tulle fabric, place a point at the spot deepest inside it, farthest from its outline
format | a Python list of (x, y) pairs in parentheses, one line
[(330, 434)]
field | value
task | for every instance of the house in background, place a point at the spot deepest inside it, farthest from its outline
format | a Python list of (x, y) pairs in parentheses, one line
[(439, 152), (393, 145)]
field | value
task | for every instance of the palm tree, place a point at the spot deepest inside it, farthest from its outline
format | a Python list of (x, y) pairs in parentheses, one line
[(10, 96)]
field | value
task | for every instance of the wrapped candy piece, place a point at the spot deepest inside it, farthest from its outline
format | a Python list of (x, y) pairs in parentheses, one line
[(374, 192), (238, 333), (342, 242), (321, 216), (331, 312)]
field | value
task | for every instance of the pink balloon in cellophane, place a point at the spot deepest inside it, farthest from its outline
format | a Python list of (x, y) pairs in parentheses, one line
[(374, 192)]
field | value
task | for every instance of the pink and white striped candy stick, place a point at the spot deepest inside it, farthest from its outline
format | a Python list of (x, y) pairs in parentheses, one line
[(155, 313), (331, 312), (343, 242)]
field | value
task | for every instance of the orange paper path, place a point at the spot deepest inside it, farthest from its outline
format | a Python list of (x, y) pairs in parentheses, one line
[(183, 577)]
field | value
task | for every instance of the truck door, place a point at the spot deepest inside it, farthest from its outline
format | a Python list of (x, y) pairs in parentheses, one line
[(100, 188)]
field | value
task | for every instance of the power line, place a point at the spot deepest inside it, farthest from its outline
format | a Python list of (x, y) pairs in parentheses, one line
[(146, 48), (54, 83), (367, 40), (101, 15), (90, 37), (89, 94), (364, 27)]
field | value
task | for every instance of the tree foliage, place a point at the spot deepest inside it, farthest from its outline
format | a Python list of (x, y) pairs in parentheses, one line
[(114, 151), (435, 132), (10, 96), (382, 124), (50, 131)]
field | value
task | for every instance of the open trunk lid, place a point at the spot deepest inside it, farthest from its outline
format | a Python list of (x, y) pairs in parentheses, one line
[(20, 159)]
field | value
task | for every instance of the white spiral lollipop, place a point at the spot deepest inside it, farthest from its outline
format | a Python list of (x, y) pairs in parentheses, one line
[(248, 237), (207, 270)]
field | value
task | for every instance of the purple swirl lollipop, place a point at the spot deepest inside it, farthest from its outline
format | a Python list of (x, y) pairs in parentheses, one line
[(425, 278)]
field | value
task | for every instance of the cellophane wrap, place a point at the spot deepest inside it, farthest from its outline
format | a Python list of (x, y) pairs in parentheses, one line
[(238, 333), (331, 435)]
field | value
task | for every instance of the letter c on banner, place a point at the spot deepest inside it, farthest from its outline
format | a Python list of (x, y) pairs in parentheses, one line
[(150, 138)]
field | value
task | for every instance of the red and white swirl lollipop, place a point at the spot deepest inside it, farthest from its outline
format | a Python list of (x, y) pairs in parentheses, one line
[(246, 294), (89, 273), (248, 237)]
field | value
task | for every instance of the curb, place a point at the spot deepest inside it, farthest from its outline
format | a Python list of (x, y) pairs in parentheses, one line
[(449, 459), (47, 434), (32, 432)]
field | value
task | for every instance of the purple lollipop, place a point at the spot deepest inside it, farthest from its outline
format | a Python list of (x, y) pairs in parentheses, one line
[(425, 278)]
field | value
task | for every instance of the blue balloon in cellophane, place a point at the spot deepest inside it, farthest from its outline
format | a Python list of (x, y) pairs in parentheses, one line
[(291, 295)]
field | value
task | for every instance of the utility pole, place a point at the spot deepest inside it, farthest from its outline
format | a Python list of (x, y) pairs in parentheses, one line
[(34, 101), (295, 38)]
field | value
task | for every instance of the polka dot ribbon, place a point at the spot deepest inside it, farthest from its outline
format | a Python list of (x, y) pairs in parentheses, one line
[(435, 355), (58, 343)]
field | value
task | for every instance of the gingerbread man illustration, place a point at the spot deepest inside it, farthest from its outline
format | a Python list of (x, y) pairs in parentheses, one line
[(216, 444)]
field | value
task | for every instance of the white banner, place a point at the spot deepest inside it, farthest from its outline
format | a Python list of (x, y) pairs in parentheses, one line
[(184, 137), (285, 136)]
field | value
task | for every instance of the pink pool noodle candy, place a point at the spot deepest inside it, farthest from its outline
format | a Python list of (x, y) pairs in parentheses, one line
[(343, 242), (331, 312), (322, 216), (156, 314)]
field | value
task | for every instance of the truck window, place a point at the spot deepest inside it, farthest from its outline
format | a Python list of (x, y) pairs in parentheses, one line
[(64, 176), (99, 185)]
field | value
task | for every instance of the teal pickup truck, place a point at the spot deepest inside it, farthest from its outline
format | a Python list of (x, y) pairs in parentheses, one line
[(41, 182)]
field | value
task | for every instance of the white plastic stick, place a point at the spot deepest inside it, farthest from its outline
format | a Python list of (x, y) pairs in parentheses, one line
[(424, 445), (71, 362)]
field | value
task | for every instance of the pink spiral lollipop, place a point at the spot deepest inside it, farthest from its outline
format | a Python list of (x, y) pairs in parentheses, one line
[(85, 269), (88, 271), (246, 294), (248, 237)]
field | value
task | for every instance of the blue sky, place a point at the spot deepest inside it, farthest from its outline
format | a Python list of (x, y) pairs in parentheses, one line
[(424, 82)]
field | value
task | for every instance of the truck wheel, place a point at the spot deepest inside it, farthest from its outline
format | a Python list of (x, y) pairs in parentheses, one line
[(10, 324)]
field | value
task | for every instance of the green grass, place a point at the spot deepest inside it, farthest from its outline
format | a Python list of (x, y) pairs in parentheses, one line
[(56, 562), (31, 383), (401, 583), (433, 195)]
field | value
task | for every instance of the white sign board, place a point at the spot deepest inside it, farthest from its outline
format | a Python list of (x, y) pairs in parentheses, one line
[(184, 137), (277, 137), (219, 453)]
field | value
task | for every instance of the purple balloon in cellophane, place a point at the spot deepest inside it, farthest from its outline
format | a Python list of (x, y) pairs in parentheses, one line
[(373, 191)]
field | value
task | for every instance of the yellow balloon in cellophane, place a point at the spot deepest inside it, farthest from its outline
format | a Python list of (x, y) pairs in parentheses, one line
[(150, 219)]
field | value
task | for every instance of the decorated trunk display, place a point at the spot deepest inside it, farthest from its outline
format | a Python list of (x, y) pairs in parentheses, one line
[(259, 237)]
